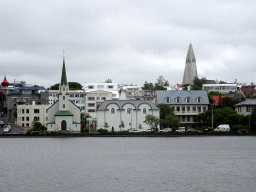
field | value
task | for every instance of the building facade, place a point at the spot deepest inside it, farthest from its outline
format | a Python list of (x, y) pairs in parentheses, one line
[(131, 112), (190, 71), (221, 88), (110, 87), (186, 104), (245, 107)]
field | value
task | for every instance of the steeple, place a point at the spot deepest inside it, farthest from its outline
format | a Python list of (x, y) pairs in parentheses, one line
[(63, 75), (190, 56)]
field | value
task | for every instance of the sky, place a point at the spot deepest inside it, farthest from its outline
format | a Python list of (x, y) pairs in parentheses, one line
[(127, 41)]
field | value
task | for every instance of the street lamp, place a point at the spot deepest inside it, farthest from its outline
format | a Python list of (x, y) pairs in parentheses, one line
[(212, 117)]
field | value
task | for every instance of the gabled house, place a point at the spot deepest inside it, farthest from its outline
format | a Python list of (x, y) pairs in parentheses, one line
[(186, 103), (245, 107), (247, 91)]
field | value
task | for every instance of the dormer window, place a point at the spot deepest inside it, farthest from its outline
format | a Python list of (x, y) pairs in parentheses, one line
[(167, 99), (177, 99), (188, 99), (199, 99)]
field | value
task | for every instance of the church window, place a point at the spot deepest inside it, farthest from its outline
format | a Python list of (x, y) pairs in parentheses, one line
[(63, 105), (144, 110), (63, 97), (129, 111), (112, 111), (63, 88)]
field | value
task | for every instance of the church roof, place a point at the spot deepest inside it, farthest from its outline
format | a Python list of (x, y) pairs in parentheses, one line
[(190, 56), (63, 75), (63, 113)]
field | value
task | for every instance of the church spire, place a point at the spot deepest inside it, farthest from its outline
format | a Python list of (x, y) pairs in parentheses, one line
[(63, 76), (190, 56)]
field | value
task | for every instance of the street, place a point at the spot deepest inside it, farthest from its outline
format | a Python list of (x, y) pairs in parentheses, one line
[(15, 128)]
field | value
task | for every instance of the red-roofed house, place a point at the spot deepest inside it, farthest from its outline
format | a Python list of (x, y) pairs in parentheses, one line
[(218, 99)]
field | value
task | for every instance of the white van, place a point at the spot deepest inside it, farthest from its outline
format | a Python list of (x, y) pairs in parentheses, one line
[(223, 128)]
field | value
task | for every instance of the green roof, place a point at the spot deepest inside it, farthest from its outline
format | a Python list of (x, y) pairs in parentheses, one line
[(51, 122), (63, 113), (63, 75)]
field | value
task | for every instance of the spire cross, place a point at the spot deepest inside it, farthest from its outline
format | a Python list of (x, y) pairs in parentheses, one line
[(63, 53)]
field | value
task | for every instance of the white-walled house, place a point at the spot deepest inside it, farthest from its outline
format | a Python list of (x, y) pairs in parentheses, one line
[(26, 114), (131, 112), (245, 107), (109, 87)]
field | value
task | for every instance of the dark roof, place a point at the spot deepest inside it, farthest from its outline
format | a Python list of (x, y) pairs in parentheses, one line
[(34, 89), (247, 102), (121, 103)]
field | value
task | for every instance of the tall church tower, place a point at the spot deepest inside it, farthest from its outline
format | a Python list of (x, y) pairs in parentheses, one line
[(190, 71), (64, 90)]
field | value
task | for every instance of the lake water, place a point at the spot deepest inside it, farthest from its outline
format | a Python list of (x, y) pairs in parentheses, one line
[(128, 164)]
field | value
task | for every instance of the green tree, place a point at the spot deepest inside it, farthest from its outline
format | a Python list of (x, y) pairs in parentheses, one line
[(108, 81), (72, 86), (15, 114), (229, 102), (172, 120), (197, 84), (122, 125), (185, 86), (222, 82), (160, 83), (152, 120), (84, 119), (167, 116), (106, 125), (148, 86), (253, 120)]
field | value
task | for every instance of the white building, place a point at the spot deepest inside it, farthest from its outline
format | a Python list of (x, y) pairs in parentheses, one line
[(64, 114), (110, 87), (147, 95), (245, 107), (221, 88), (131, 112), (76, 96), (26, 114)]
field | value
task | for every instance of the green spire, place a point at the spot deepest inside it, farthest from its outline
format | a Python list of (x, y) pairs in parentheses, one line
[(63, 76)]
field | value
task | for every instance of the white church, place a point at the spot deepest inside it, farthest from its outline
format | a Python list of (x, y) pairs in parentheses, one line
[(63, 115)]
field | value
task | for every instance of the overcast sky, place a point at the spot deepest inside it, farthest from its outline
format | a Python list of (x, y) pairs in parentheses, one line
[(129, 41)]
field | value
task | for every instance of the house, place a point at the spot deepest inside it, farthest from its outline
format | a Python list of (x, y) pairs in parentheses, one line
[(245, 107), (63, 114), (248, 91), (111, 87), (147, 95), (23, 96), (218, 100), (131, 112), (26, 114), (221, 88), (186, 103)]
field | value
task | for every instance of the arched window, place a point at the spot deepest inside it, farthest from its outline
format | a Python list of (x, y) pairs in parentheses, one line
[(128, 110), (112, 111), (144, 110), (63, 105), (63, 88)]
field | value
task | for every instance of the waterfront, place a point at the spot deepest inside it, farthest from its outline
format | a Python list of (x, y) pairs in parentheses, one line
[(128, 164)]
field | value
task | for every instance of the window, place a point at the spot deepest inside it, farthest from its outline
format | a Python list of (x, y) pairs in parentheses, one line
[(82, 101), (27, 110), (188, 99), (112, 111), (204, 108), (91, 98), (144, 110), (35, 98), (44, 98), (199, 99), (71, 95), (103, 98), (23, 124), (27, 118), (63, 88), (63, 105), (27, 124), (113, 95), (194, 108), (137, 98), (167, 100), (98, 98), (25, 98), (178, 99), (36, 110), (91, 110), (91, 104), (81, 95), (183, 118), (188, 108), (188, 118), (248, 108), (110, 86), (23, 111), (23, 118), (14, 98), (76, 95), (199, 109), (82, 108), (26, 92), (63, 97), (36, 118), (178, 108), (183, 108), (77, 101), (90, 87), (14, 104), (129, 111)]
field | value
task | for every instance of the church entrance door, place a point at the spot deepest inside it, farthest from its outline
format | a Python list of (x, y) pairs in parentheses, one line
[(63, 125)]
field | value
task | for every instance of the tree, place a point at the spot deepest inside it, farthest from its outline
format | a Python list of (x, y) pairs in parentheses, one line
[(222, 82), (151, 120), (84, 119), (185, 86), (72, 86), (197, 84), (14, 114), (160, 83), (172, 120), (122, 125), (167, 116), (253, 120), (108, 81), (229, 102), (165, 110), (106, 125), (148, 86)]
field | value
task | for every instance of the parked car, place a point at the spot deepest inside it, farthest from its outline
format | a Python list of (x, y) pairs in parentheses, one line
[(166, 130), (181, 130), (7, 130), (147, 130), (223, 128), (192, 131), (134, 131), (243, 131)]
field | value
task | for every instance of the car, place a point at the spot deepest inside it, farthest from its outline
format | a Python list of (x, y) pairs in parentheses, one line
[(134, 131), (7, 130), (223, 128), (147, 130), (243, 131), (181, 130), (192, 131), (166, 130)]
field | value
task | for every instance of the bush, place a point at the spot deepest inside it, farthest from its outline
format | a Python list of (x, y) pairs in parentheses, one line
[(103, 131), (53, 133), (206, 129), (235, 128), (59, 133), (84, 129)]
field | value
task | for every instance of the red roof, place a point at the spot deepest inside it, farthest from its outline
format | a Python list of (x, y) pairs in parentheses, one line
[(5, 82), (216, 99)]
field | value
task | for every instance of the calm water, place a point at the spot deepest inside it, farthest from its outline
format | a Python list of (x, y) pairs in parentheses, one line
[(128, 164)]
